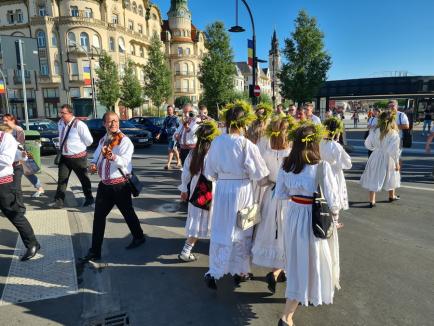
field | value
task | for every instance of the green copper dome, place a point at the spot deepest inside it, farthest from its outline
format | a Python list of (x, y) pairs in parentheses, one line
[(179, 8)]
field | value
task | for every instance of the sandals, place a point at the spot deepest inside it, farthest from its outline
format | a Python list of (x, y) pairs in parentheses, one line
[(188, 258), (242, 278)]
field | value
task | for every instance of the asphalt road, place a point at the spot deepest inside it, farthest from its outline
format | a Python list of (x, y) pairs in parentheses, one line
[(387, 262)]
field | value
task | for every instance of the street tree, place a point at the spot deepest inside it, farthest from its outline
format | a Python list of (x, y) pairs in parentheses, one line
[(158, 81), (131, 90), (307, 63), (107, 85), (181, 101), (217, 70)]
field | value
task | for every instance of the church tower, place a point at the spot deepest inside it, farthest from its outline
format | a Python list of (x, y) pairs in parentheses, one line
[(274, 66), (180, 19)]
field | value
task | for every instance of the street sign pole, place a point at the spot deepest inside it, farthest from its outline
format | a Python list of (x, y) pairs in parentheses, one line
[(23, 80)]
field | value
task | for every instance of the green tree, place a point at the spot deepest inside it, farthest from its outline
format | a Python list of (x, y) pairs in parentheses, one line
[(158, 81), (265, 98), (181, 101), (131, 90), (307, 61), (107, 85), (217, 70)]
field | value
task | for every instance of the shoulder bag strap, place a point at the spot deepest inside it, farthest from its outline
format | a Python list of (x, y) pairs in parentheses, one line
[(318, 177), (67, 134)]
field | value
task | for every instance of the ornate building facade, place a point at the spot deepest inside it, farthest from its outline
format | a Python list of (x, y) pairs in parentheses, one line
[(72, 33)]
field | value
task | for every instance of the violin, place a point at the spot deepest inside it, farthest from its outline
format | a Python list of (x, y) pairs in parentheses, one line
[(112, 140)]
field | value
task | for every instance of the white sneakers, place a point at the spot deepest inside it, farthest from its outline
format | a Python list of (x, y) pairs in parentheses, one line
[(38, 193)]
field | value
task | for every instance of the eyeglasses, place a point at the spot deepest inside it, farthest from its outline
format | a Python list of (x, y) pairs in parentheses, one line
[(64, 113)]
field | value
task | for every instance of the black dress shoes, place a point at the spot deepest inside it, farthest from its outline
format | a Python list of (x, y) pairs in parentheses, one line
[(91, 256), (136, 243), (282, 323), (210, 282), (89, 201), (271, 281), (58, 204), (31, 252), (391, 199)]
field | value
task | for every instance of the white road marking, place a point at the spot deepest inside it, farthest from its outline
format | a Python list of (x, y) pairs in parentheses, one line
[(402, 186)]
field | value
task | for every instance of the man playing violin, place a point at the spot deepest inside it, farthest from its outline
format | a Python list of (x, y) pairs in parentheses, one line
[(185, 135), (114, 153)]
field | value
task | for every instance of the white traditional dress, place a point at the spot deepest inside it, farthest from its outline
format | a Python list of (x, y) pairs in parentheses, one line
[(198, 220), (333, 153), (380, 169), (233, 161), (268, 245), (312, 264)]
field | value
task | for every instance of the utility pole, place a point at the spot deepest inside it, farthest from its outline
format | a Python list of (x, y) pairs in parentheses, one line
[(6, 92), (23, 80)]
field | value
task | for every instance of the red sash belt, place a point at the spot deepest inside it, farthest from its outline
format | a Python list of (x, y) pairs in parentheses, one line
[(79, 155), (302, 200), (115, 181), (6, 179)]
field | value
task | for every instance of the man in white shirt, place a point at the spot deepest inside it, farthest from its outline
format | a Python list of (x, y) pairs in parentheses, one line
[(401, 118), (9, 204), (308, 109), (113, 155), (185, 135), (74, 137)]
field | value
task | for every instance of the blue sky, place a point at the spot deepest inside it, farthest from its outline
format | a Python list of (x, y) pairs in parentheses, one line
[(366, 38)]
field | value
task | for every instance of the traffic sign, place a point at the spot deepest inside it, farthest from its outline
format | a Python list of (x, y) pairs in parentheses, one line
[(257, 91)]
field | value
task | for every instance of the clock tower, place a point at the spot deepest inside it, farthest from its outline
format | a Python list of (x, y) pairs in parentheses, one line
[(180, 18)]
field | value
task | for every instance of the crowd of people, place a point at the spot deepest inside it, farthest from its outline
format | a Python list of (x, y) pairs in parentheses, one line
[(252, 181)]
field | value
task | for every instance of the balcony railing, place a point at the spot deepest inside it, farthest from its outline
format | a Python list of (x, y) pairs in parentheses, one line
[(42, 52), (17, 76), (185, 73), (184, 90)]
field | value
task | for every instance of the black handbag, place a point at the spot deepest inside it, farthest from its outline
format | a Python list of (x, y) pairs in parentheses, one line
[(59, 151), (134, 183), (202, 194), (407, 138), (322, 221)]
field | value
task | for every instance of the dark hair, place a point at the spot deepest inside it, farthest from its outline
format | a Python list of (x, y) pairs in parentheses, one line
[(68, 107), (11, 117), (202, 107), (201, 149), (109, 113), (169, 106), (233, 115), (331, 125), (302, 153)]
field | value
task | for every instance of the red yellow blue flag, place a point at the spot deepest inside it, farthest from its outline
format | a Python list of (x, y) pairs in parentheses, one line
[(2, 86), (86, 76), (250, 52)]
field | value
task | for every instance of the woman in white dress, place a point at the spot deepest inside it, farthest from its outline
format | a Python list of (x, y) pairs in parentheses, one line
[(234, 162), (256, 130), (333, 152), (198, 223), (382, 168), (268, 248), (310, 265)]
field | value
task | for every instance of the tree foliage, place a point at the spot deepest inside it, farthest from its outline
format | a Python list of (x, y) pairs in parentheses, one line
[(307, 61), (107, 85), (158, 80), (181, 101), (131, 90), (217, 70)]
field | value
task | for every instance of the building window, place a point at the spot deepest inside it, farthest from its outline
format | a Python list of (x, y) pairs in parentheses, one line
[(74, 92), (42, 11), (74, 11), (88, 12), (19, 15), (179, 51), (40, 36), (112, 44), (96, 42), (11, 17), (53, 40), (71, 39), (73, 68), (84, 40), (122, 70), (134, 7), (185, 69), (140, 10), (56, 68), (140, 29), (142, 52), (127, 4), (87, 92), (185, 85), (187, 51), (154, 17), (51, 92), (121, 43), (115, 19), (51, 110), (130, 25), (44, 67), (132, 49), (142, 75)]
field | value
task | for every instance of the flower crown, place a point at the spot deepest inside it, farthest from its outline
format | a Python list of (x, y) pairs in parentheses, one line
[(248, 117), (334, 121), (319, 132), (267, 111), (212, 125), (291, 124)]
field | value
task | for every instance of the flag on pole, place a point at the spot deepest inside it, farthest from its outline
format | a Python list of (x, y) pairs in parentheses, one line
[(250, 52), (2, 86), (86, 76)]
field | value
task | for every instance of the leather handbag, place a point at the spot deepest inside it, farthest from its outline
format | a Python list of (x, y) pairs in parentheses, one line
[(134, 183), (322, 221), (407, 135), (249, 216), (59, 151)]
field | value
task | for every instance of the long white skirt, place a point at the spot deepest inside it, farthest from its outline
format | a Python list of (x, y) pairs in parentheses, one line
[(312, 264), (268, 246), (380, 173), (230, 247), (198, 223)]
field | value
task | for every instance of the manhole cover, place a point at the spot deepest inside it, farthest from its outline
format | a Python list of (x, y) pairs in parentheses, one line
[(119, 319)]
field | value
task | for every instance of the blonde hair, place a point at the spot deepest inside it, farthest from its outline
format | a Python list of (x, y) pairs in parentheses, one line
[(5, 128), (257, 130), (386, 123), (278, 131)]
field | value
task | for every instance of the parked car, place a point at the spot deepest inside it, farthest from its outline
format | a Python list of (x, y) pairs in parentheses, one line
[(153, 124), (49, 133), (139, 137)]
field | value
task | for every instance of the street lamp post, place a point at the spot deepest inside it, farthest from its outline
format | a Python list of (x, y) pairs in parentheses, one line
[(239, 29), (6, 91)]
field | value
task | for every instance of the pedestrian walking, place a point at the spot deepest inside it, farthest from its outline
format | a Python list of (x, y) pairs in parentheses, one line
[(268, 244), (12, 208), (382, 171), (334, 153), (233, 162), (19, 135), (427, 121), (112, 162), (74, 139), (355, 118), (196, 189), (185, 135), (312, 264), (170, 125)]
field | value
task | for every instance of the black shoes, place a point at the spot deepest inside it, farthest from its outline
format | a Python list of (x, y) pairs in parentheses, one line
[(242, 278), (91, 256), (372, 205), (136, 243), (391, 199), (88, 202), (271, 281), (58, 203), (210, 282), (31, 252), (282, 323)]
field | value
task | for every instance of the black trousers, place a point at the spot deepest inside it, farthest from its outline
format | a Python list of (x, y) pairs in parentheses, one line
[(18, 175), (79, 166), (14, 211), (106, 197), (183, 153)]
